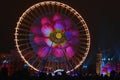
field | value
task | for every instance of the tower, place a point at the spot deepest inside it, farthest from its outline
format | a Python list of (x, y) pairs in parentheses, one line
[(98, 62)]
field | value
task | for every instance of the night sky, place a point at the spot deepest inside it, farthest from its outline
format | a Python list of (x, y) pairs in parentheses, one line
[(101, 16)]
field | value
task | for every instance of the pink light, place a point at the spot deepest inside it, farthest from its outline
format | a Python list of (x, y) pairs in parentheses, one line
[(68, 23), (56, 24), (42, 52), (35, 30), (46, 30), (74, 33), (58, 52), (56, 17), (45, 20), (38, 40), (73, 41), (69, 52)]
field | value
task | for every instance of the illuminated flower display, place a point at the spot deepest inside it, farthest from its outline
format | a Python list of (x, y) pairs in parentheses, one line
[(55, 36)]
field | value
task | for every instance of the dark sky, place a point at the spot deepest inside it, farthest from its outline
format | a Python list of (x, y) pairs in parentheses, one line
[(102, 17)]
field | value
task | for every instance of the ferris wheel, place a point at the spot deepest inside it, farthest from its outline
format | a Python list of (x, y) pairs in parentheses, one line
[(51, 35)]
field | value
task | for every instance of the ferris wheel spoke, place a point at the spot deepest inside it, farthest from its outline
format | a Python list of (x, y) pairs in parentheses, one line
[(40, 11), (38, 65), (66, 59), (36, 11), (24, 44), (31, 59), (29, 18), (26, 21), (60, 8), (53, 6), (43, 7), (46, 58), (34, 61), (19, 34), (22, 39), (27, 53), (25, 49)]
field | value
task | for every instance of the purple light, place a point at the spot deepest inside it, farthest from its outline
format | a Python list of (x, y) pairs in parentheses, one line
[(42, 52), (71, 33), (59, 25), (68, 35), (69, 52), (74, 33), (45, 20), (73, 41), (38, 40), (58, 52), (68, 23), (35, 30)]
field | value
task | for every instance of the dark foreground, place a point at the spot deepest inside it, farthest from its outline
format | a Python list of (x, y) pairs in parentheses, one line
[(25, 75)]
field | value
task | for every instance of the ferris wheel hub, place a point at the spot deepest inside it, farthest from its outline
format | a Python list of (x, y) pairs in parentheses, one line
[(58, 35)]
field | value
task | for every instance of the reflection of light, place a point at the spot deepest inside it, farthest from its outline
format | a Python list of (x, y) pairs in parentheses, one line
[(109, 70), (103, 59), (104, 73), (58, 70), (25, 65), (74, 74), (84, 66), (109, 59), (53, 74), (5, 61)]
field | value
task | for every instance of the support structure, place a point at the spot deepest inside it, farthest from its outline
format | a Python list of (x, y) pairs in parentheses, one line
[(98, 63)]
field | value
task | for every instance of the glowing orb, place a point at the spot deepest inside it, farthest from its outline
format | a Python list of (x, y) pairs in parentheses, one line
[(58, 35)]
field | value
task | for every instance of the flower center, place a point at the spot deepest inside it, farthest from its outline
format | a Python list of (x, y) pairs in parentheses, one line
[(58, 35)]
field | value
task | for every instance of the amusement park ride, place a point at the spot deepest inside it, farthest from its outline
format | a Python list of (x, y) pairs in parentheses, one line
[(51, 35)]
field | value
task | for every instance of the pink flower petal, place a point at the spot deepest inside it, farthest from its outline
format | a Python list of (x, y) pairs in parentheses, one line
[(56, 17), (58, 52), (38, 40), (69, 52), (42, 52), (35, 30), (45, 20), (46, 30)]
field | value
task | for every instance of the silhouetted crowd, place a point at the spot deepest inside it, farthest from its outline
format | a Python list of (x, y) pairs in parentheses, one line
[(26, 75)]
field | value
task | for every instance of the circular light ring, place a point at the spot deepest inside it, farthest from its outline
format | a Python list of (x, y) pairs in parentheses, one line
[(28, 17)]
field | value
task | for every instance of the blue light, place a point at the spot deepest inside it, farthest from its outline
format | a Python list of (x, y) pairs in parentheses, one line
[(84, 66), (109, 59), (103, 59), (5, 61)]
